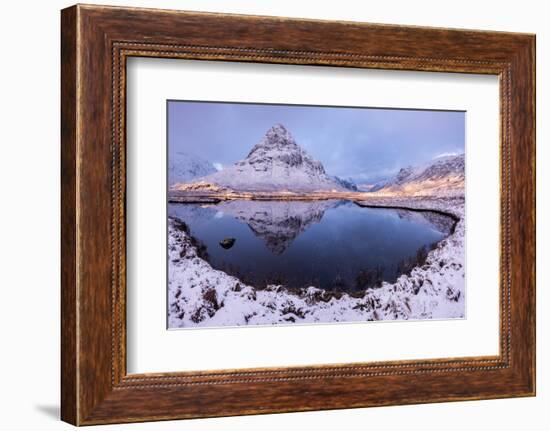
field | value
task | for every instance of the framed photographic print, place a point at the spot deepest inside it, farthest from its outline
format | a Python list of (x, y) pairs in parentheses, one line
[(273, 238), (264, 214)]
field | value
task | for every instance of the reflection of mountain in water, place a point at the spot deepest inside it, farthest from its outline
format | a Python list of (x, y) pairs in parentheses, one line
[(278, 223), (341, 247), (441, 223), (192, 212)]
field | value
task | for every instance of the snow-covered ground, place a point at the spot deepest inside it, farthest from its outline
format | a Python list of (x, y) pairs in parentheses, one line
[(202, 296)]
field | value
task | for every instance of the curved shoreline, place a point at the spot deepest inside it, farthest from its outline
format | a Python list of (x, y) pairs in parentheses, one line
[(456, 219), (199, 295), (327, 293)]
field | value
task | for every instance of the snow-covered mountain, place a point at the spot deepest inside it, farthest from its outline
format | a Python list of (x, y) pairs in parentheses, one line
[(183, 167), (372, 187), (346, 183), (276, 163), (442, 176)]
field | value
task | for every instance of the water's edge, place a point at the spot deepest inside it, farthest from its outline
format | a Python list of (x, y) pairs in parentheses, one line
[(328, 294), (453, 217)]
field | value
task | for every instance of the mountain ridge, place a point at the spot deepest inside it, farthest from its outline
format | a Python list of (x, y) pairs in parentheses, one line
[(183, 166), (442, 176), (278, 166)]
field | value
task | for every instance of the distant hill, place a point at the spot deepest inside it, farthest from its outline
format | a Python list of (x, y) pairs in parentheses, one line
[(442, 176), (184, 167)]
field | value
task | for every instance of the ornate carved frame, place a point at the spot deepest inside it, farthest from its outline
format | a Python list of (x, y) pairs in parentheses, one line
[(95, 42)]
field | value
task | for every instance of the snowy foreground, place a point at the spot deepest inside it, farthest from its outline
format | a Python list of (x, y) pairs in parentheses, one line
[(202, 296)]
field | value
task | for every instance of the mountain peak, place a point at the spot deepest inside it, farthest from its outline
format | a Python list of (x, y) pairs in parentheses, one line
[(277, 137), (276, 162), (278, 147), (277, 128)]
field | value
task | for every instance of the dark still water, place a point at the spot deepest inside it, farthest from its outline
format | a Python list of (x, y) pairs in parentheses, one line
[(334, 245)]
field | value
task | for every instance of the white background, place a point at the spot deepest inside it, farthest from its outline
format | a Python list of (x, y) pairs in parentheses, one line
[(151, 348), (29, 228)]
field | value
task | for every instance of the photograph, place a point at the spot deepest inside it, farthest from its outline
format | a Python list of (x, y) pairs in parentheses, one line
[(294, 214)]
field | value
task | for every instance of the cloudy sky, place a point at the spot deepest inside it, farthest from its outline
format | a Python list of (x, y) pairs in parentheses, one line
[(365, 144)]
